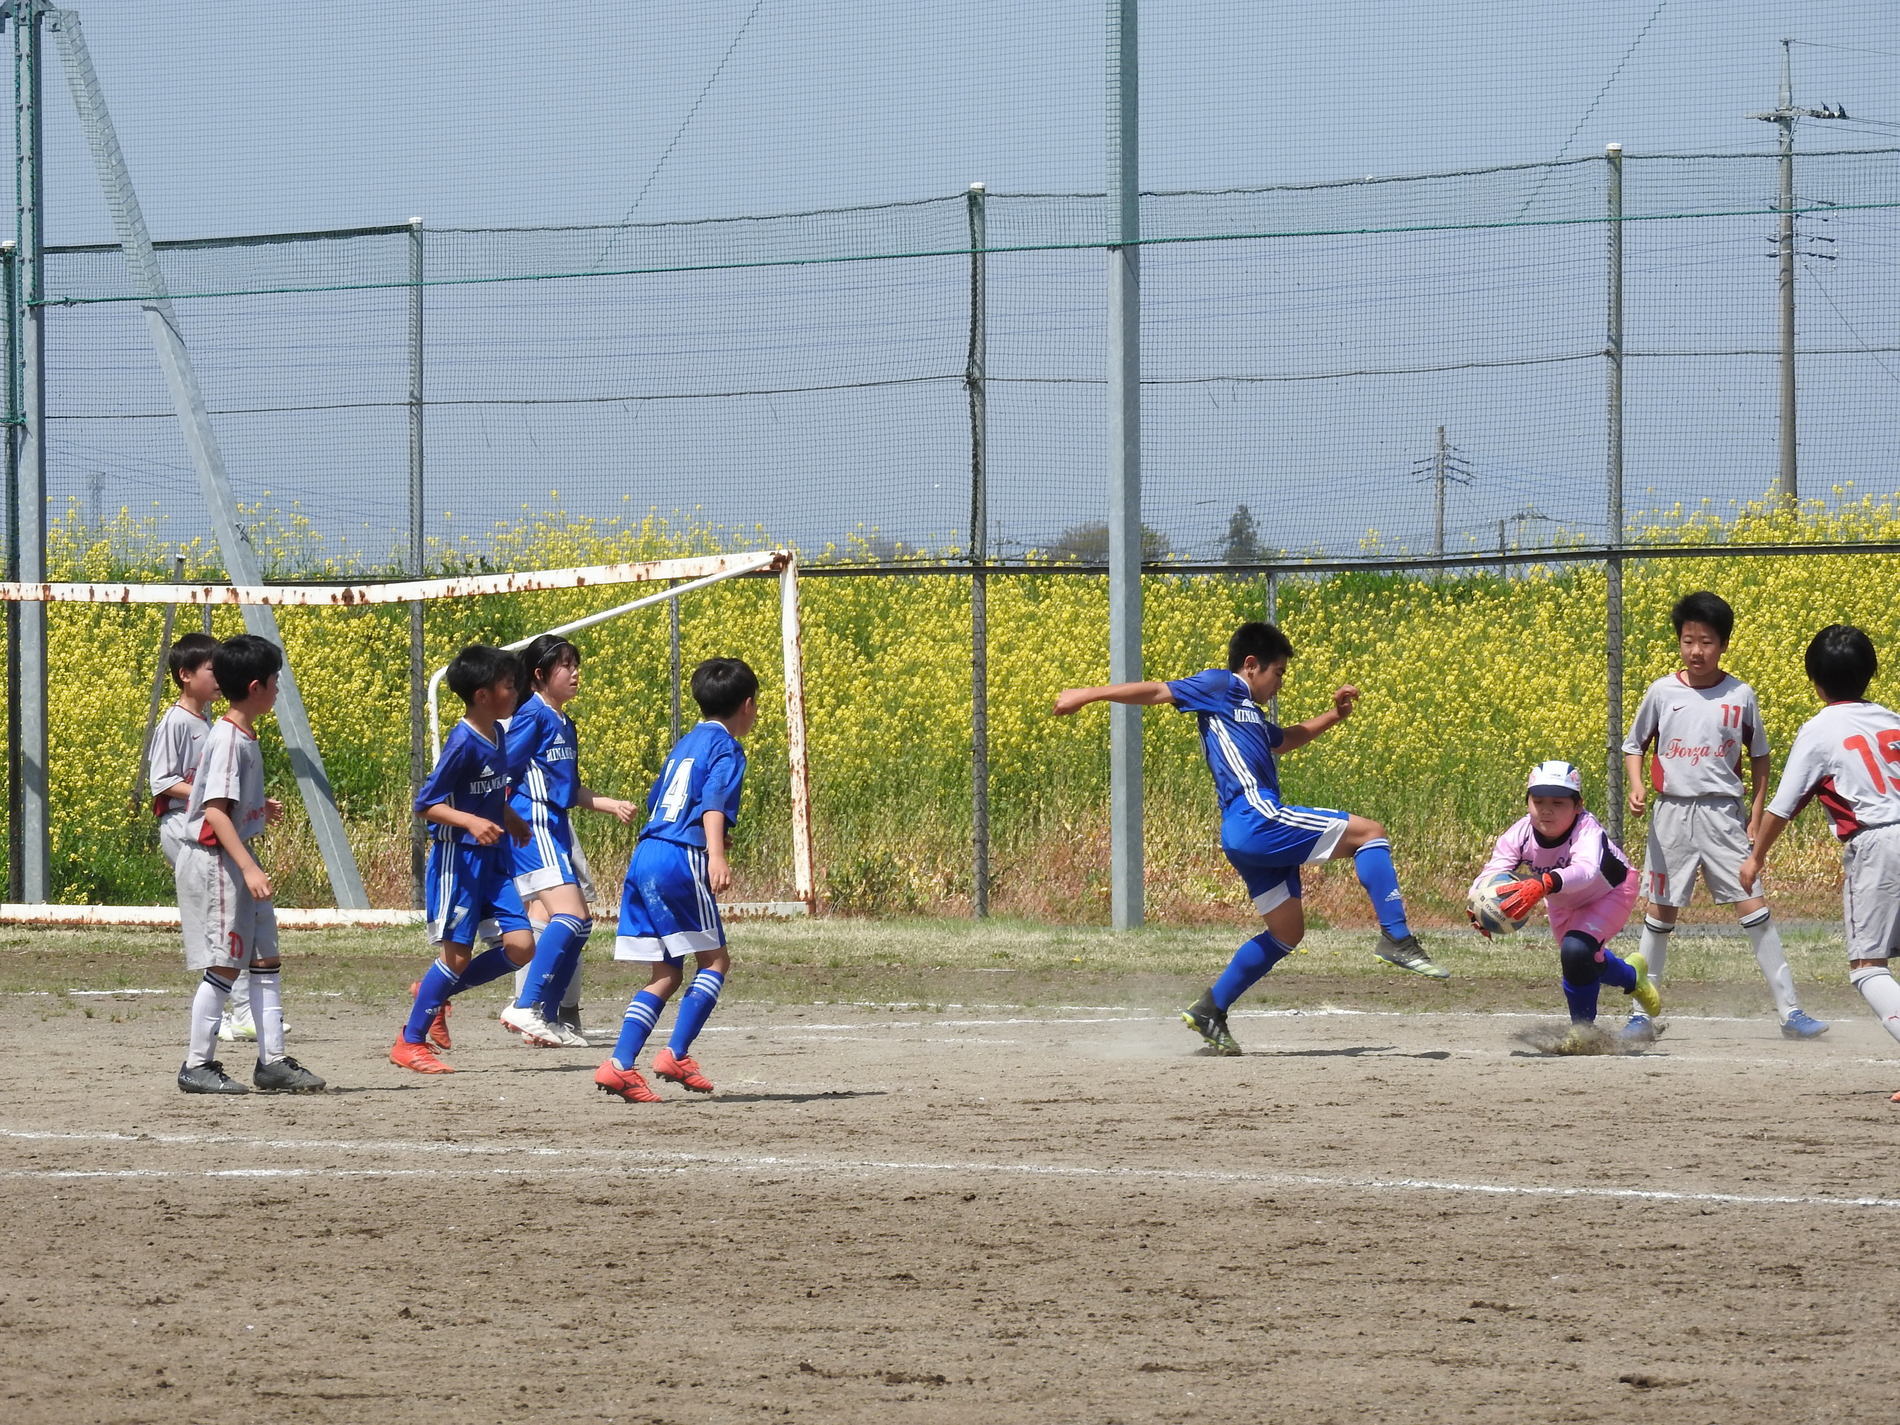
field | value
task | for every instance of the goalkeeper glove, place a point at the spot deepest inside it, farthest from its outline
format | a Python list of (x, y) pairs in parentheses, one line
[(1518, 899)]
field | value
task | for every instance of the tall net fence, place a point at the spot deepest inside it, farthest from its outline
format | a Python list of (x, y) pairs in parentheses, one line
[(1335, 370)]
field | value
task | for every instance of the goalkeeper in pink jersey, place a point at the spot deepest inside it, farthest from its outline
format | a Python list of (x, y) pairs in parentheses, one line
[(1586, 881)]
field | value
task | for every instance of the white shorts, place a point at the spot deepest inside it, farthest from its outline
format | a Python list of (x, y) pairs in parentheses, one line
[(226, 928), (1690, 834), (1870, 893), (552, 860)]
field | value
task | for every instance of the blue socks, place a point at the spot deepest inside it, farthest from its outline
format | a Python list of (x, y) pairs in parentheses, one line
[(555, 956), (1250, 962), (1372, 863), (491, 964), (642, 1010), (1587, 965), (695, 1006), (437, 985)]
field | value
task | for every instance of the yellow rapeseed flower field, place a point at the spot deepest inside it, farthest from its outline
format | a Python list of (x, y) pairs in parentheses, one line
[(1465, 681)]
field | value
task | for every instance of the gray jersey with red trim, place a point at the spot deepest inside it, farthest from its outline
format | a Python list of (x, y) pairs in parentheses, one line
[(1696, 736), (231, 767), (177, 744), (1848, 756)]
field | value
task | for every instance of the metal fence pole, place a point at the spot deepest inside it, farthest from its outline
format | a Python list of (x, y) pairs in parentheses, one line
[(31, 827), (1124, 456), (10, 274), (975, 377), (673, 669), (1613, 566), (418, 557)]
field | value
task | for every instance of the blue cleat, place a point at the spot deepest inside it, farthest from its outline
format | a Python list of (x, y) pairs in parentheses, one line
[(1802, 1025), (1640, 1029)]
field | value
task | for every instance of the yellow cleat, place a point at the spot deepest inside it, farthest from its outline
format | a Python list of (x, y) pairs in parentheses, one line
[(1645, 993)]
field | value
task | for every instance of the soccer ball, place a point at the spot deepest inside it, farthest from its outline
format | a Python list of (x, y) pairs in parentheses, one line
[(1483, 903)]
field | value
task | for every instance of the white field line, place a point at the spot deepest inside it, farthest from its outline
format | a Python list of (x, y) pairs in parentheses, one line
[(643, 1160)]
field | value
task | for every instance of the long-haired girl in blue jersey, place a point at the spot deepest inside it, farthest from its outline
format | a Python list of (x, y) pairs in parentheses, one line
[(550, 872)]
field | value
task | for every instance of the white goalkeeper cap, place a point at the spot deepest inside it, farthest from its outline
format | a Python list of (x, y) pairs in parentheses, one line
[(1555, 779)]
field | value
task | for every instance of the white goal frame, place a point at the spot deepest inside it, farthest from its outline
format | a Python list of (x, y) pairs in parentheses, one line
[(684, 576)]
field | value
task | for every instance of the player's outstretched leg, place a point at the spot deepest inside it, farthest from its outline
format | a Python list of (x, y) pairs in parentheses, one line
[(674, 1063), (1207, 1016), (1371, 853)]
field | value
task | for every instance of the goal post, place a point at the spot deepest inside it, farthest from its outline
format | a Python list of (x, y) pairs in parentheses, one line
[(791, 649), (677, 578)]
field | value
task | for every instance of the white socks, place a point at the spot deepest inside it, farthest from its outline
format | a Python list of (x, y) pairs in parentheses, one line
[(1877, 987), (1655, 945), (207, 1008), (267, 1011), (1766, 941)]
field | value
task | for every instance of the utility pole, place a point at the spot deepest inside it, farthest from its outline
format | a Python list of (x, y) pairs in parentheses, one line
[(1783, 116), (1446, 469)]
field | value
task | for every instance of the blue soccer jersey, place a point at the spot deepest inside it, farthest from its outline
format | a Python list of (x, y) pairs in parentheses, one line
[(1237, 739), (703, 774), (544, 758), (470, 776)]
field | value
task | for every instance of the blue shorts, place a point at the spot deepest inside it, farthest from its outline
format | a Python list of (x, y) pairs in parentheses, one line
[(1269, 854), (466, 885), (667, 908), (550, 858)]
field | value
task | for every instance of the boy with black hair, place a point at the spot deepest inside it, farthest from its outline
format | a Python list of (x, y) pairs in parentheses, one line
[(470, 877), (1696, 723), (224, 896), (171, 757), (1265, 839), (669, 906), (1848, 755)]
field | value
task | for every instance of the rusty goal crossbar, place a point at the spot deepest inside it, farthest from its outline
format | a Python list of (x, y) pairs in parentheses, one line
[(677, 576)]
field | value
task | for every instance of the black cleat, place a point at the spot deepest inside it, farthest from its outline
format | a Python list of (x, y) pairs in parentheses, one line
[(1408, 954), (285, 1075), (208, 1078), (1211, 1024)]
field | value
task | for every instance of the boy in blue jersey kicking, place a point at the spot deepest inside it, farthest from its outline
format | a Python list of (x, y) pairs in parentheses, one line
[(668, 908), (470, 873), (1266, 839)]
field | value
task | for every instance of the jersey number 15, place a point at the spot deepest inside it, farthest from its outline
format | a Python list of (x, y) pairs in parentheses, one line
[(1889, 753)]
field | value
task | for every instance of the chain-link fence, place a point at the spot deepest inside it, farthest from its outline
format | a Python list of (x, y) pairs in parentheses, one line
[(1399, 365)]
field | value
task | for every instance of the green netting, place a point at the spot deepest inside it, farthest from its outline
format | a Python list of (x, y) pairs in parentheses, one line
[(1656, 188)]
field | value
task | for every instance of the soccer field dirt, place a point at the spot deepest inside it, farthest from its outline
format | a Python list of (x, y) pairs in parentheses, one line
[(954, 1213)]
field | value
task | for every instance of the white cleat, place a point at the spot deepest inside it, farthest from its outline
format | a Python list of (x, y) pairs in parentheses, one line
[(532, 1028)]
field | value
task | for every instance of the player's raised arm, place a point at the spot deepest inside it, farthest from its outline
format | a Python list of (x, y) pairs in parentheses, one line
[(1141, 695), (1302, 733)]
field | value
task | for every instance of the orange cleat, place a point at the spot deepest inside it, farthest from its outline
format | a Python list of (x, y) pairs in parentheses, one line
[(683, 1072), (1894, 1099), (405, 1055), (623, 1083), (439, 1026)]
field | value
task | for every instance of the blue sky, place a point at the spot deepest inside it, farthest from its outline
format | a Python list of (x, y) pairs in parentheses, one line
[(253, 115)]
